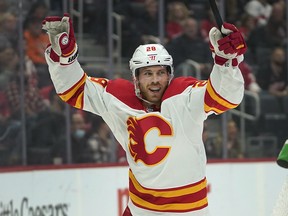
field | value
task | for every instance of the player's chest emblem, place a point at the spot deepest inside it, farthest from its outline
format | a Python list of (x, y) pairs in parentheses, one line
[(147, 138)]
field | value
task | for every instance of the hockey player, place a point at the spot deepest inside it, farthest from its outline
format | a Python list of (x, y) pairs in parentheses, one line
[(157, 120)]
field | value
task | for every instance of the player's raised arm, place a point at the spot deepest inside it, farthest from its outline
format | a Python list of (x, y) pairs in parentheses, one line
[(225, 87), (62, 52), (71, 83)]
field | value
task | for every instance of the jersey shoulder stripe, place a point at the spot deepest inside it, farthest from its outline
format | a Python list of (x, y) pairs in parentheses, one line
[(178, 85), (124, 91)]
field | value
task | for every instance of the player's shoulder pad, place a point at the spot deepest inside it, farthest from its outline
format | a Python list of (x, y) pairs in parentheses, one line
[(124, 91), (178, 85)]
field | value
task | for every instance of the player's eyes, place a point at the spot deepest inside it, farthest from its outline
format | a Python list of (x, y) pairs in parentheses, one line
[(147, 73)]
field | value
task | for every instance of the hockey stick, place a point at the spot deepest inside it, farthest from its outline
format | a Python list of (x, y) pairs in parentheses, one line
[(218, 18), (216, 14)]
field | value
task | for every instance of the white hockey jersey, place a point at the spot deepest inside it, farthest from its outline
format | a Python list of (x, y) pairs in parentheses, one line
[(164, 148)]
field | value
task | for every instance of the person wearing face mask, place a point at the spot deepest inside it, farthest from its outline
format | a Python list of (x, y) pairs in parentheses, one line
[(157, 119), (78, 137)]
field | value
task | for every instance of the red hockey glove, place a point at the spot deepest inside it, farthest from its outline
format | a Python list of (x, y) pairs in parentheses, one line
[(231, 47), (62, 39)]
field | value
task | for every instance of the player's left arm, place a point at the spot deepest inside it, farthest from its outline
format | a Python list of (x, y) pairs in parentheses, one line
[(225, 87)]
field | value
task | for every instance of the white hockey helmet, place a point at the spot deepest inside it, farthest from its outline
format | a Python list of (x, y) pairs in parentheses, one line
[(150, 55)]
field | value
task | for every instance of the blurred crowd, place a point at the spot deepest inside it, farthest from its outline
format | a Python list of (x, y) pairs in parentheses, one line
[(187, 23)]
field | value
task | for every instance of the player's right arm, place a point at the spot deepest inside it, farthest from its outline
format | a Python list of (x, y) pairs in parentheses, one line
[(70, 81)]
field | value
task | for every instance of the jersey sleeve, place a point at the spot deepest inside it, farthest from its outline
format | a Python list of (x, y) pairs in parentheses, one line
[(76, 88), (224, 89)]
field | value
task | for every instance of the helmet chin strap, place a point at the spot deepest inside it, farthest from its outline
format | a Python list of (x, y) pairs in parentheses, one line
[(138, 94), (149, 106)]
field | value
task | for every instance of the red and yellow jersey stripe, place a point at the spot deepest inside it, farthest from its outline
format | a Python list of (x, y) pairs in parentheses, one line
[(180, 199), (214, 102), (74, 96)]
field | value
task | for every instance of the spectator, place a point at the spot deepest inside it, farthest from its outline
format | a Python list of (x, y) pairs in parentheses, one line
[(260, 10), (148, 23), (212, 150), (10, 134), (272, 76), (33, 100), (264, 38), (99, 144), (233, 145), (8, 62), (79, 137), (190, 45), (249, 77), (8, 28), (177, 14), (141, 27), (246, 25), (10, 82), (36, 43), (46, 133)]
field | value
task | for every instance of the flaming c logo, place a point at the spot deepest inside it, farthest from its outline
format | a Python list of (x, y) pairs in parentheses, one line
[(138, 130)]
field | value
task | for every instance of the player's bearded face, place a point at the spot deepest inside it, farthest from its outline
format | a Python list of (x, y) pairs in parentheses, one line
[(153, 81)]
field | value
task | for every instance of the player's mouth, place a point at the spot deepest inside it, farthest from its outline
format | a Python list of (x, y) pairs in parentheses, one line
[(155, 90)]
